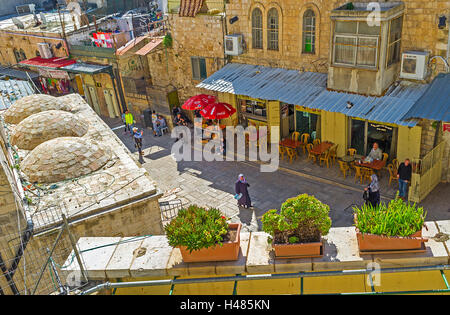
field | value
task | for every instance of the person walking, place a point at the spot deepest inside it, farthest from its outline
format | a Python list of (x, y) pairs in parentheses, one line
[(138, 139), (125, 122), (129, 121), (374, 191), (404, 176), (242, 195)]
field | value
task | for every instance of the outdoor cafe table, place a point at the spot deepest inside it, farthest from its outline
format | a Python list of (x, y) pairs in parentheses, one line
[(348, 158), (290, 143), (320, 148), (376, 165)]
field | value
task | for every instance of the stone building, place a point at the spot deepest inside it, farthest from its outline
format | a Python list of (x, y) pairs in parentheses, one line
[(87, 174)]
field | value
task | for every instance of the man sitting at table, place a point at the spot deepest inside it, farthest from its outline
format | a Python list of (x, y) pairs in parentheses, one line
[(375, 154)]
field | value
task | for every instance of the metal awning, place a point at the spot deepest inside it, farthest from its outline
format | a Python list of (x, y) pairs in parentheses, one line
[(12, 90), (87, 68)]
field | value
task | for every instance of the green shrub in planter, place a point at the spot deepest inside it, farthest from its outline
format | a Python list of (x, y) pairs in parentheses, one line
[(302, 219), (398, 218), (196, 228)]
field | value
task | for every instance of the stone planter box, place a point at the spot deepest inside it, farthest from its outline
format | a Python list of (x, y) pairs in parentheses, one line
[(300, 250), (228, 251)]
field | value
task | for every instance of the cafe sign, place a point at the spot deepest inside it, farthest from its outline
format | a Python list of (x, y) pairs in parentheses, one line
[(53, 74)]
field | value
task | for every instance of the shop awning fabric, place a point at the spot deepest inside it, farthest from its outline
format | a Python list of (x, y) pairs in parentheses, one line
[(309, 89), (52, 63), (86, 68)]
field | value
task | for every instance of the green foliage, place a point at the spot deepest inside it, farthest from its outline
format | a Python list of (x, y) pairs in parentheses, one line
[(197, 228), (398, 218), (303, 217), (167, 41), (293, 239)]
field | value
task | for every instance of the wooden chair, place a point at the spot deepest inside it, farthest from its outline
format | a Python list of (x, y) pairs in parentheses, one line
[(358, 173), (316, 141), (291, 153), (333, 152), (385, 157), (295, 135), (311, 156), (351, 151), (344, 168), (395, 164), (392, 173), (325, 157), (304, 141), (367, 173), (281, 151)]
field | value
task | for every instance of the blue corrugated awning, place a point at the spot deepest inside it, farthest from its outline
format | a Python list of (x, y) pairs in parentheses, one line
[(12, 90), (309, 89), (434, 104), (267, 83)]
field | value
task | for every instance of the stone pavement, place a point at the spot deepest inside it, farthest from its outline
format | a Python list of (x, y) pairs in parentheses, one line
[(212, 184)]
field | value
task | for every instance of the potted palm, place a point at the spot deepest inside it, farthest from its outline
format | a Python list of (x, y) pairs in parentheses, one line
[(204, 235), (393, 227), (298, 229)]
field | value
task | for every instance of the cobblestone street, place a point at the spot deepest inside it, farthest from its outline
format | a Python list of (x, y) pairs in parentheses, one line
[(212, 184)]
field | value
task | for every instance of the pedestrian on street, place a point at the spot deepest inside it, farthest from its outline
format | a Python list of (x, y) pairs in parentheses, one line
[(241, 189), (374, 191), (404, 176), (137, 135), (129, 121)]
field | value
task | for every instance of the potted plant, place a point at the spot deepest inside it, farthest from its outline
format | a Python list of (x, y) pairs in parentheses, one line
[(298, 229), (204, 235), (396, 226)]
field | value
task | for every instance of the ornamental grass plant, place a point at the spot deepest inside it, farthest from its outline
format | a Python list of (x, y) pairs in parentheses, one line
[(302, 219), (197, 227), (398, 218)]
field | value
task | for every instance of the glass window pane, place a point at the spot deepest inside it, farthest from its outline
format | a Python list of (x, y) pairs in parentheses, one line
[(202, 66), (345, 27), (345, 50), (309, 31), (195, 68), (365, 29), (257, 28), (272, 29), (367, 52)]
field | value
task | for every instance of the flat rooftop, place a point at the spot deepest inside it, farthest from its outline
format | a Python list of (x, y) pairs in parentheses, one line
[(119, 182), (368, 6)]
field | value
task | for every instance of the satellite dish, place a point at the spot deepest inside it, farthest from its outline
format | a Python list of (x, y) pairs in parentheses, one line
[(18, 23), (43, 18)]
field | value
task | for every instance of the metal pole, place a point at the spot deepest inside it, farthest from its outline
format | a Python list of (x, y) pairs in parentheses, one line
[(62, 290), (41, 273), (74, 246)]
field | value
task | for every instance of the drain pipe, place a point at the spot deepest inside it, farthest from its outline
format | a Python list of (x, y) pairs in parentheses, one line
[(8, 277), (23, 244)]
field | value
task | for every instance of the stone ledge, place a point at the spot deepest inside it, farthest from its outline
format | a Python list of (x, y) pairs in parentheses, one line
[(153, 257)]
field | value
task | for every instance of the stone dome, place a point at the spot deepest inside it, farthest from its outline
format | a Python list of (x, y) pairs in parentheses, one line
[(32, 104), (64, 158), (44, 126)]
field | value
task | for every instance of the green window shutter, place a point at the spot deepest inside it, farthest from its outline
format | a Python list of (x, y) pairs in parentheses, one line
[(202, 65)]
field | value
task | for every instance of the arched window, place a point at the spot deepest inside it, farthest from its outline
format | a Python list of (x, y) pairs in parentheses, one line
[(22, 55), (272, 29), (257, 29), (309, 32), (17, 55)]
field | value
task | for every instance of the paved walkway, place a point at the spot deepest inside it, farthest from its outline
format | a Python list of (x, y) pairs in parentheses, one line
[(212, 184)]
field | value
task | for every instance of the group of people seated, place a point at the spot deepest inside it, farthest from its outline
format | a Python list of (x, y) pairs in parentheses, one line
[(159, 123)]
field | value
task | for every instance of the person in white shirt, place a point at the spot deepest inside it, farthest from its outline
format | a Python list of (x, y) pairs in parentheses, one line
[(375, 154)]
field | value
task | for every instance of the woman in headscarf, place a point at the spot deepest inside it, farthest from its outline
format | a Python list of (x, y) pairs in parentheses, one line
[(242, 192), (374, 191)]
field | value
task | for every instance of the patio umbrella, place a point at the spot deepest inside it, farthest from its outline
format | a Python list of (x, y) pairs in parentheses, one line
[(217, 111), (199, 102)]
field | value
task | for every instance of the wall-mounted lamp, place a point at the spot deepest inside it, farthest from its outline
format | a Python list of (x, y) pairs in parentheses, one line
[(233, 19), (442, 21), (349, 104)]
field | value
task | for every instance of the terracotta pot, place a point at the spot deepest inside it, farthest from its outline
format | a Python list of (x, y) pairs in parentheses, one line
[(372, 242), (228, 250), (298, 250)]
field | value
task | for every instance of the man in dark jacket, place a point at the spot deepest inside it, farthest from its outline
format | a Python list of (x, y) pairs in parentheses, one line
[(404, 176)]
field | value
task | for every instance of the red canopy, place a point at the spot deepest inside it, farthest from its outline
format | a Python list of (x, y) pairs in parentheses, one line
[(55, 62), (199, 101), (217, 111)]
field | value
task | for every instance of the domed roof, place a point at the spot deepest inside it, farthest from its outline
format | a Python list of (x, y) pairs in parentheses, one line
[(64, 158), (32, 104), (40, 127)]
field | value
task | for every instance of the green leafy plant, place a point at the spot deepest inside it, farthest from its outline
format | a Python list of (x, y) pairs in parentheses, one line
[(398, 218), (196, 228), (167, 41), (302, 219)]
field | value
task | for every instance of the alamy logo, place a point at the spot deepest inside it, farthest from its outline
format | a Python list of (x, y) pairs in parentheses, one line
[(374, 17), (228, 144)]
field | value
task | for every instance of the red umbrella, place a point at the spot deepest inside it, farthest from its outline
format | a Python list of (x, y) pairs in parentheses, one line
[(199, 101), (217, 111)]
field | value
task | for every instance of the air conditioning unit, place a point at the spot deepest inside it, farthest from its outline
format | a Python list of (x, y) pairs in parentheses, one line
[(45, 51), (25, 9), (233, 45), (414, 65)]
